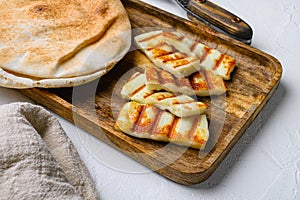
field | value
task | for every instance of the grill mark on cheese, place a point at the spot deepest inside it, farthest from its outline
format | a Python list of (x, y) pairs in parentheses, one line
[(161, 44), (160, 77), (138, 118), (172, 57), (135, 76), (225, 63), (151, 37), (138, 127), (180, 62), (219, 61), (182, 103), (230, 64), (162, 97), (156, 46), (138, 90), (165, 77), (212, 82), (173, 133), (156, 121), (192, 48), (207, 51), (148, 94), (173, 36), (165, 130), (167, 34), (157, 53), (183, 82), (208, 81), (192, 132), (154, 125), (145, 123), (198, 85), (152, 74)]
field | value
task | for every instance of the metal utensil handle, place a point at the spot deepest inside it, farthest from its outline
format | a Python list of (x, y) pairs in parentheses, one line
[(221, 18)]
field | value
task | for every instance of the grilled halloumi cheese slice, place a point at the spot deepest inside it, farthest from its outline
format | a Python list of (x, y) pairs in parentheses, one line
[(158, 45), (220, 64), (182, 106), (152, 39), (162, 48), (148, 121), (201, 83)]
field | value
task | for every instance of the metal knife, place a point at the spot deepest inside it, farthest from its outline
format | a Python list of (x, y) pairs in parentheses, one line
[(218, 18)]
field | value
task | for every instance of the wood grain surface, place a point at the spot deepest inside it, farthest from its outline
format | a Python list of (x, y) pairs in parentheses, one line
[(94, 106)]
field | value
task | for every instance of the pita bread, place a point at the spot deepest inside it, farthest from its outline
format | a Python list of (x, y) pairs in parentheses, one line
[(116, 51), (61, 43), (10, 80)]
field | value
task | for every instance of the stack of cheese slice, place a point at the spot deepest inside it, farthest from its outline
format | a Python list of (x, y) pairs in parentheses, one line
[(181, 56), (162, 115), (148, 121), (181, 106), (60, 43), (161, 107)]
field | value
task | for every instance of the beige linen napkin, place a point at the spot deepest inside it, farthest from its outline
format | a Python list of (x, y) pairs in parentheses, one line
[(37, 159)]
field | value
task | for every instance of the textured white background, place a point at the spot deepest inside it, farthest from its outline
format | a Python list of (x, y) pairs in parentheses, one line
[(265, 164)]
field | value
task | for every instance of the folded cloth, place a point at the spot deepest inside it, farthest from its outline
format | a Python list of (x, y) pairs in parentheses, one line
[(37, 159)]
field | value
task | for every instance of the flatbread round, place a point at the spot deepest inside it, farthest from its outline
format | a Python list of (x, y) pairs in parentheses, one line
[(10, 80), (107, 59), (60, 40)]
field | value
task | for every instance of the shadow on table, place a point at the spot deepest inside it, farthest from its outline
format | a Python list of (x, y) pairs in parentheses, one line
[(233, 157)]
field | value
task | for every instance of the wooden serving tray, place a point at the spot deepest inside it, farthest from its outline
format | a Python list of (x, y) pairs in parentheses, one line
[(92, 106)]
